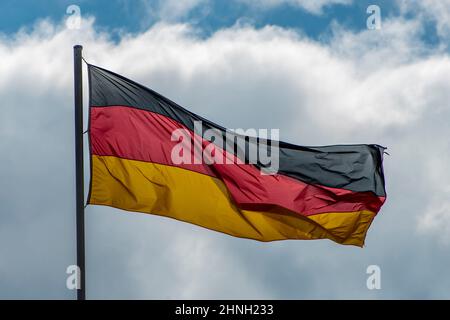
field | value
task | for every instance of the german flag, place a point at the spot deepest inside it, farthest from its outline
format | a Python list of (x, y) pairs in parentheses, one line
[(146, 156)]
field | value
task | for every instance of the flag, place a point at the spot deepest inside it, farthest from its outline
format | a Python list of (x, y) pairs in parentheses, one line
[(150, 155)]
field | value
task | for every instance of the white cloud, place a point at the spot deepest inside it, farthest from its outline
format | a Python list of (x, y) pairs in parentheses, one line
[(437, 11), (437, 217), (172, 10), (313, 6), (370, 87)]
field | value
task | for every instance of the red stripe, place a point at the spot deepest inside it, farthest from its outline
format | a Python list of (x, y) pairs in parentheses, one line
[(136, 134), (145, 136)]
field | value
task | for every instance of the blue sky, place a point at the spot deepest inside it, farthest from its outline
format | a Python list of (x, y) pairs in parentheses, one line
[(136, 15), (118, 16), (317, 73)]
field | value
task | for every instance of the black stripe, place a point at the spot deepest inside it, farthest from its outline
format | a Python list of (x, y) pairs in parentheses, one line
[(353, 167)]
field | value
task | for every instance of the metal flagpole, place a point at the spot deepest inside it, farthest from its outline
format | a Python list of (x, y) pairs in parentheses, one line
[(79, 170)]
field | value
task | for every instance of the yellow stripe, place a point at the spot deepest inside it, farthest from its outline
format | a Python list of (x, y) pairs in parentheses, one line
[(202, 200)]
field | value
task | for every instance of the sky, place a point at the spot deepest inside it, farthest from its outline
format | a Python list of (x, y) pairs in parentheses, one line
[(313, 69)]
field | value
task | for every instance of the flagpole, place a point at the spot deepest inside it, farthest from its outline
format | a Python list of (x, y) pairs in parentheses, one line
[(79, 170)]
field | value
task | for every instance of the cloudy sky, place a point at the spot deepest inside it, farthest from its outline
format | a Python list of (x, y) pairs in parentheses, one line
[(309, 67)]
